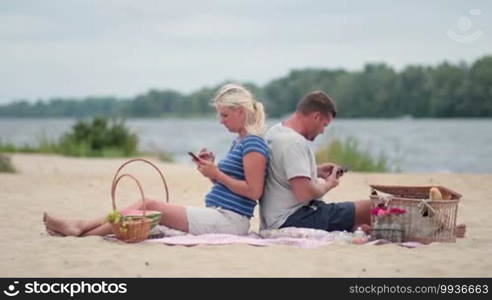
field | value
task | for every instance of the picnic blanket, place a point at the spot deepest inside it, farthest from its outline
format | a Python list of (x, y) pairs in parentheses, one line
[(299, 237)]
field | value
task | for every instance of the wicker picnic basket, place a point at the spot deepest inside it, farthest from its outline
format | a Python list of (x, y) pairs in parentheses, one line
[(136, 228), (425, 220)]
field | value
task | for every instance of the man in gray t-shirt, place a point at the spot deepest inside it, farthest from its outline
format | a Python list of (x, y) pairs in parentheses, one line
[(295, 184), (290, 157)]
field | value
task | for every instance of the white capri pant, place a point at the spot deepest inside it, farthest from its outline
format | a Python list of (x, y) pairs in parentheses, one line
[(203, 220)]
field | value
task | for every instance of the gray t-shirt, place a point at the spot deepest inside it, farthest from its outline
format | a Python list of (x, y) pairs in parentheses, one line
[(290, 156)]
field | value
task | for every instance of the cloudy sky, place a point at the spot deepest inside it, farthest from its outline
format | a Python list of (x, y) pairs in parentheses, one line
[(77, 48)]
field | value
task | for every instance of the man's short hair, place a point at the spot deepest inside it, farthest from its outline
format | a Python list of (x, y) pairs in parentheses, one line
[(317, 101)]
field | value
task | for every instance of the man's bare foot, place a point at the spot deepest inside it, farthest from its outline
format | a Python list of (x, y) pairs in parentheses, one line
[(61, 227), (460, 230)]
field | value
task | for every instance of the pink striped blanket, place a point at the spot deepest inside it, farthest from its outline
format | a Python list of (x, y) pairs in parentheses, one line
[(299, 237)]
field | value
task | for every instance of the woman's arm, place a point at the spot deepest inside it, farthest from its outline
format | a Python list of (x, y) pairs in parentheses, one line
[(207, 155), (254, 172)]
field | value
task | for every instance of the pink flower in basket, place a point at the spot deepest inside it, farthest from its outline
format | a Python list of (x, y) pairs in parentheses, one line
[(381, 211), (376, 210), (397, 211), (386, 225)]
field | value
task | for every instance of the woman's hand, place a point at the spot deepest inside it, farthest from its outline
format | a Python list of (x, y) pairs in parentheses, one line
[(206, 155), (208, 169)]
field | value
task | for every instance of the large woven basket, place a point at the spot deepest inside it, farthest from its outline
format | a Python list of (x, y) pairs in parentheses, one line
[(436, 224), (136, 228)]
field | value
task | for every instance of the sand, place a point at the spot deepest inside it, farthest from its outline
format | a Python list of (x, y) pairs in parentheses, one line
[(80, 188)]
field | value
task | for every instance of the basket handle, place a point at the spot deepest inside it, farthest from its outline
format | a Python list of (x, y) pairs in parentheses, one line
[(113, 186)]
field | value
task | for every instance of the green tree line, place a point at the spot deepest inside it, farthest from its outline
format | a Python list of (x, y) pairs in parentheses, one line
[(444, 90)]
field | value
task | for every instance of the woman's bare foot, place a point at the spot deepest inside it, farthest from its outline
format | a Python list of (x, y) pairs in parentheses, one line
[(460, 230), (53, 233), (61, 227), (48, 230)]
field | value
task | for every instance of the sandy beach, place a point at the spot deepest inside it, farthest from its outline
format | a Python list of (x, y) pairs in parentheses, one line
[(80, 188)]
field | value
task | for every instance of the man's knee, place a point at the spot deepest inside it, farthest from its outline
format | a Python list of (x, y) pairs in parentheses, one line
[(362, 212)]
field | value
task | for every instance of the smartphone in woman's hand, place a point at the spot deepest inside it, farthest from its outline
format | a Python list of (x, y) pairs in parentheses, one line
[(194, 157)]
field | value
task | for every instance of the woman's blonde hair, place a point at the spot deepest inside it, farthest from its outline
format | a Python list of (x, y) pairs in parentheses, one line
[(235, 96)]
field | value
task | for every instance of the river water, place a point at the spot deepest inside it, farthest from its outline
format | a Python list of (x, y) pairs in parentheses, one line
[(414, 145)]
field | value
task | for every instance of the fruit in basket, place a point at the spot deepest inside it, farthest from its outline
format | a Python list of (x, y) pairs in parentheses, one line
[(114, 217), (136, 214), (124, 226), (435, 194)]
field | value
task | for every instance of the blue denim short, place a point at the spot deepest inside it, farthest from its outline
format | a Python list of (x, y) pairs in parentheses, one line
[(325, 216)]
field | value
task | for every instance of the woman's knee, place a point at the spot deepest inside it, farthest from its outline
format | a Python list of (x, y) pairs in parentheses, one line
[(151, 204)]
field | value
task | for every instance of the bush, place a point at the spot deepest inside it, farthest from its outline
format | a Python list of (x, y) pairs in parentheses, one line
[(7, 147), (347, 153), (165, 156), (6, 164), (99, 138)]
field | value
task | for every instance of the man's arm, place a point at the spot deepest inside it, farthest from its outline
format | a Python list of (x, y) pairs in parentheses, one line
[(306, 190)]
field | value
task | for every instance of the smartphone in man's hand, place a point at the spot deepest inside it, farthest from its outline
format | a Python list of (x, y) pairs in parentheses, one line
[(341, 171)]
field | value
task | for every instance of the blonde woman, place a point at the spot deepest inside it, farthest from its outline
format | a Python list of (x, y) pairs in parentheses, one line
[(238, 179)]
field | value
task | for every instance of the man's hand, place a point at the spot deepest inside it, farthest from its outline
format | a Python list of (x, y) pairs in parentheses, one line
[(325, 169), (306, 189), (332, 180)]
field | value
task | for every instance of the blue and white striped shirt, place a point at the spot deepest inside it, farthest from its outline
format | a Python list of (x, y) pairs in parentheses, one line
[(232, 165)]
